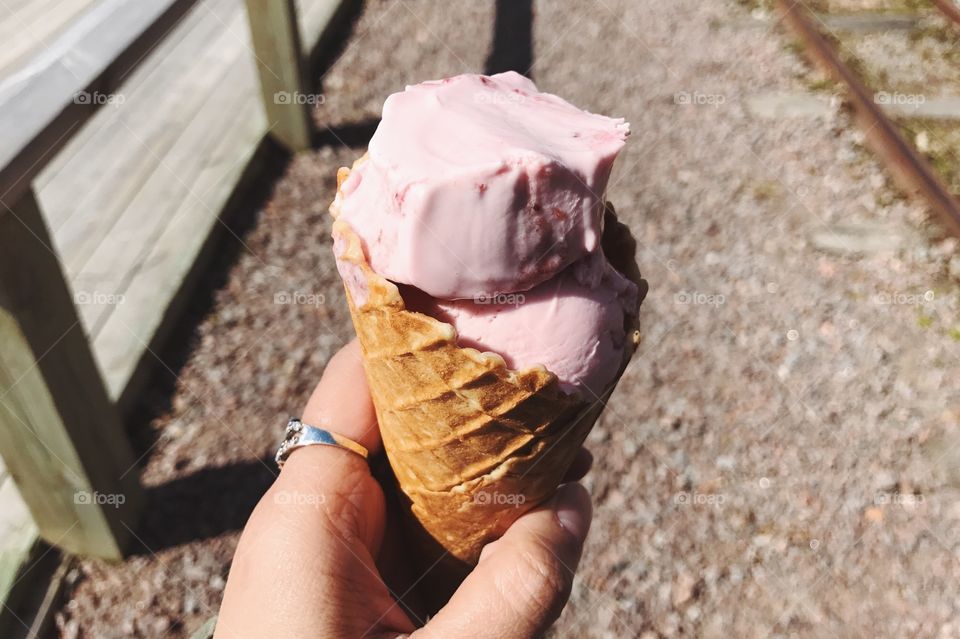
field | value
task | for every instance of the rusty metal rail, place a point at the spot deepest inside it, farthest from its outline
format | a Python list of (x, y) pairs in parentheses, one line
[(949, 9), (910, 169)]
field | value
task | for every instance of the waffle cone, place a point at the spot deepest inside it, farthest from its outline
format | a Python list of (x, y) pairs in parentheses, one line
[(473, 444)]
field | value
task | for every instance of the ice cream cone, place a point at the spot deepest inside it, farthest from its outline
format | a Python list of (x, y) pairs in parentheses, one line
[(473, 445)]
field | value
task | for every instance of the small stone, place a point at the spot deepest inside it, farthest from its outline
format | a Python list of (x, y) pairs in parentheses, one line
[(684, 589), (190, 603), (955, 266), (69, 629), (884, 481), (72, 576), (858, 239), (725, 462), (874, 514), (160, 626)]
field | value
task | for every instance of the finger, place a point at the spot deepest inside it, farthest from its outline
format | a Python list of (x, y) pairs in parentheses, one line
[(581, 465), (523, 579), (351, 498), (317, 529), (341, 401), (307, 553)]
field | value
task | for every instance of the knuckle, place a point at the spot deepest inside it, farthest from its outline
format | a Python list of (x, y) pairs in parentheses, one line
[(345, 510), (545, 582)]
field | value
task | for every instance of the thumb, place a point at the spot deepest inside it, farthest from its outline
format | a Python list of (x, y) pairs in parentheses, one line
[(523, 579)]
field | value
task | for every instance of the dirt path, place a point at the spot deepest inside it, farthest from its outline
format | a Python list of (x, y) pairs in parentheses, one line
[(776, 461)]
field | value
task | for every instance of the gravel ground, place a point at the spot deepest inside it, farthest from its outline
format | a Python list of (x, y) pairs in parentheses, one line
[(890, 59), (778, 459)]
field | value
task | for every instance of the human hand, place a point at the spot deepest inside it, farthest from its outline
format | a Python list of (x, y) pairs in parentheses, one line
[(310, 558)]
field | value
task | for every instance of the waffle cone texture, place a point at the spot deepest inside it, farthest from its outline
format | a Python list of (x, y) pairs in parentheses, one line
[(473, 444)]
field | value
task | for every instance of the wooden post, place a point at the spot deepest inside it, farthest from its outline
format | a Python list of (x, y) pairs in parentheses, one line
[(60, 436), (276, 45)]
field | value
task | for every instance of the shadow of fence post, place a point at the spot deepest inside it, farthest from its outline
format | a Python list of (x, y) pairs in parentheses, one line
[(512, 38)]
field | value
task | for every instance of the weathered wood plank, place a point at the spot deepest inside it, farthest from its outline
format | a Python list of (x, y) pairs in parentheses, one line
[(74, 183), (80, 204), (275, 34), (60, 436), (39, 115), (131, 326), (208, 139), (27, 28), (207, 84), (133, 145)]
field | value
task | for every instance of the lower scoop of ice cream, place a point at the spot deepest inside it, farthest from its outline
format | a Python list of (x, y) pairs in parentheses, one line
[(572, 326)]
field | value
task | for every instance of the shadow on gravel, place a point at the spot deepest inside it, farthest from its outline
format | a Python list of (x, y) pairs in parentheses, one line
[(334, 42), (326, 54), (512, 38), (218, 501)]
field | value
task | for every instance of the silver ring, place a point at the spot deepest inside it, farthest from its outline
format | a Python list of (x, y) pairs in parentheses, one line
[(299, 435)]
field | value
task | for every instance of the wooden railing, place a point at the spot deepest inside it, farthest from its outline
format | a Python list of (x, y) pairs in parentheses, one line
[(61, 435)]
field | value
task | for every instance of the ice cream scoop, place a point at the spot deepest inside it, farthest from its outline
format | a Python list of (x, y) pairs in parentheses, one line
[(572, 324), (479, 185)]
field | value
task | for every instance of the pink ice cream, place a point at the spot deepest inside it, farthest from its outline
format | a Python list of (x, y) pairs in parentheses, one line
[(477, 184), (483, 198), (572, 326)]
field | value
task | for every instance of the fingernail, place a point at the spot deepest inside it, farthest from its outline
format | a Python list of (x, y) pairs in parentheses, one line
[(573, 509)]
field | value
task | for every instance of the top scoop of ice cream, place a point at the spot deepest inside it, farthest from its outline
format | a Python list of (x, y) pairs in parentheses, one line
[(480, 185)]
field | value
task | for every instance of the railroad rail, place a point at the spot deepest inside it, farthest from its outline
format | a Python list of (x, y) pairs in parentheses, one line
[(949, 9), (912, 171)]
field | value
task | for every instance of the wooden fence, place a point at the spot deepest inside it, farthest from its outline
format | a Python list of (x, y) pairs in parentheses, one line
[(61, 431)]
